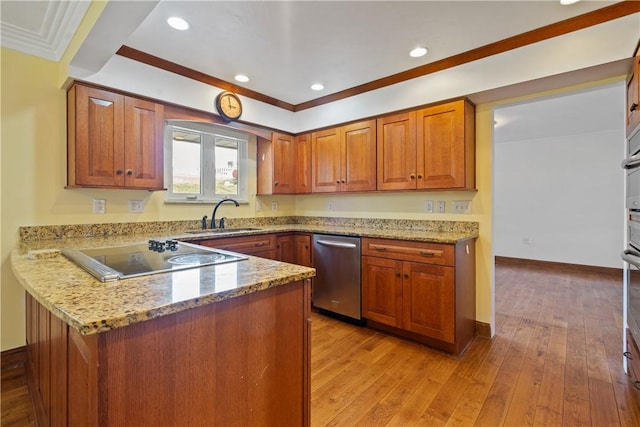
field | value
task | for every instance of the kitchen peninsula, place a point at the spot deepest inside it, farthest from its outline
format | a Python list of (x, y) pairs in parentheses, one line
[(218, 345)]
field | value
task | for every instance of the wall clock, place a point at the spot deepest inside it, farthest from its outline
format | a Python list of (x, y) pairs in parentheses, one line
[(229, 106)]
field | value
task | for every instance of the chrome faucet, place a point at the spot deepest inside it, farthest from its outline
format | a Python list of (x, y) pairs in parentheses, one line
[(213, 217)]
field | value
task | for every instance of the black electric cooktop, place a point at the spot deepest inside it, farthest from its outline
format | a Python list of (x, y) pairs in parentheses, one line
[(123, 262)]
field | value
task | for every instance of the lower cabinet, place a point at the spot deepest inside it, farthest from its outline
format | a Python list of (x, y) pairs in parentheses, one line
[(294, 248), (242, 361), (423, 291)]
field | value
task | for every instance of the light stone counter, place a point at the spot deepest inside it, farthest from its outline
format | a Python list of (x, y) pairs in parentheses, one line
[(91, 306)]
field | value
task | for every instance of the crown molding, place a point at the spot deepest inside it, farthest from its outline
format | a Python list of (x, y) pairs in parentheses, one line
[(50, 41)]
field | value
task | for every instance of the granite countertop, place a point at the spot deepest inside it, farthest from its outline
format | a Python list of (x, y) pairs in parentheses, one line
[(91, 306)]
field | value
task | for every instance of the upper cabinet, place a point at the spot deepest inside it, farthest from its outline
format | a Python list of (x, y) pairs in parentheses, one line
[(303, 163), (431, 148), (397, 152), (633, 96), (446, 146), (114, 141), (344, 158), (284, 164)]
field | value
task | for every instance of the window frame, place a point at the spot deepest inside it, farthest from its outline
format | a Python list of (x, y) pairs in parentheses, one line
[(209, 131)]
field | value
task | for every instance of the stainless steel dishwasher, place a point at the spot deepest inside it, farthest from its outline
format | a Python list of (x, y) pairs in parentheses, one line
[(336, 287)]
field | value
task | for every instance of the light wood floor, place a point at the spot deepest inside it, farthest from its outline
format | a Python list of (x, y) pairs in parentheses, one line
[(555, 360)]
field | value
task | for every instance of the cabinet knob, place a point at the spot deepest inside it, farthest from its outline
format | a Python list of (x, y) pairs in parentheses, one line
[(406, 276), (337, 181), (129, 172), (397, 274), (634, 107), (342, 181), (627, 354), (412, 176), (275, 183), (419, 176), (119, 172)]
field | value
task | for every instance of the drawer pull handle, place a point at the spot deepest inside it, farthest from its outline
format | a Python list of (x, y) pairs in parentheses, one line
[(259, 244), (379, 248), (428, 254), (627, 354)]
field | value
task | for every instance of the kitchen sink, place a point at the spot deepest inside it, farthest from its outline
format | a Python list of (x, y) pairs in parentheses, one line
[(221, 230)]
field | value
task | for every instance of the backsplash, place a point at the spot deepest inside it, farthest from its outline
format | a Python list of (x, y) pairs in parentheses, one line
[(32, 233)]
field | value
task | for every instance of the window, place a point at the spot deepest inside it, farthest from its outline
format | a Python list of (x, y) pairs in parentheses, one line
[(204, 163)]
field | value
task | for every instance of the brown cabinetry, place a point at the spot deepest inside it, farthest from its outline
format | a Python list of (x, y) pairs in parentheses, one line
[(114, 141), (262, 245), (284, 164), (47, 364), (429, 149), (397, 152), (294, 248), (633, 96), (425, 291), (344, 158), (303, 164), (241, 361)]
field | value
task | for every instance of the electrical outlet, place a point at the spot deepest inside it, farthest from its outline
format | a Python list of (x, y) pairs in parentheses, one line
[(441, 206), (99, 206), (462, 206), (274, 206), (136, 206), (258, 206), (428, 206), (331, 206)]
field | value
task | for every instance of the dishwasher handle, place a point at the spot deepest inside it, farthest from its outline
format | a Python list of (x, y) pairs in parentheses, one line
[(336, 244)]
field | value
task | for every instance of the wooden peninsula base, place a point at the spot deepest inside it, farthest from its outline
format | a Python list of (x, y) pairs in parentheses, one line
[(239, 362)]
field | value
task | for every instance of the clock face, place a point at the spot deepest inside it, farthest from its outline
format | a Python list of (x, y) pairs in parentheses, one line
[(229, 106)]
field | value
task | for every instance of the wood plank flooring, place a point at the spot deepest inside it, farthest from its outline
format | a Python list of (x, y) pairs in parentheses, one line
[(555, 360)]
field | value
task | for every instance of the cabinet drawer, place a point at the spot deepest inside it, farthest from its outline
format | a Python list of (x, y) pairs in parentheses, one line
[(431, 253), (249, 245)]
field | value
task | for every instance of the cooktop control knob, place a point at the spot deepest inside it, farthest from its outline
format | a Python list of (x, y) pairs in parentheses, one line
[(156, 246), (172, 245)]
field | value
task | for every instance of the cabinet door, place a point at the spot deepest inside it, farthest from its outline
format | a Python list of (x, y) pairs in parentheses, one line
[(359, 158), (284, 163), (382, 290), (445, 147), (96, 138), (303, 164), (633, 97), (285, 250), (143, 138), (302, 244), (326, 149), (396, 148), (428, 300)]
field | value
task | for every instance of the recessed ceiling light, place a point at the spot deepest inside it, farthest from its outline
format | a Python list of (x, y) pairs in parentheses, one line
[(418, 52), (242, 78), (178, 23), (317, 86), (568, 2)]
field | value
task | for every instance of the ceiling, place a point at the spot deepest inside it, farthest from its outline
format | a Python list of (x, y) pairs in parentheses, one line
[(283, 46)]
